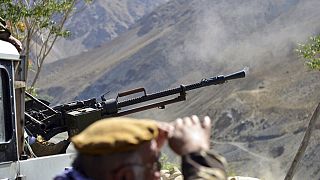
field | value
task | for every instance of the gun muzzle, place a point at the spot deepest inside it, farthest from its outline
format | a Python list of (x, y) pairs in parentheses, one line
[(237, 75)]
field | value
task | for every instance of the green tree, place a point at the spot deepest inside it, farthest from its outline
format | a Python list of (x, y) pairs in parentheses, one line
[(38, 24), (310, 51)]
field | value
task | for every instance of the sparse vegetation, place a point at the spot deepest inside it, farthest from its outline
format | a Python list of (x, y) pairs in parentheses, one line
[(166, 164), (231, 170), (311, 52), (38, 24), (34, 92)]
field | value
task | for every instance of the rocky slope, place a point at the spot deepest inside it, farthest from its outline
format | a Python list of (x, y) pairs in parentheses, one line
[(99, 22), (259, 121)]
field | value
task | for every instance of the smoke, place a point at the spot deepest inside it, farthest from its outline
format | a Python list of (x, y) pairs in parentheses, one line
[(235, 34), (230, 35), (203, 41)]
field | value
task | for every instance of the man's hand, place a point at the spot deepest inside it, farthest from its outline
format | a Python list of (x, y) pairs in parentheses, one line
[(190, 135), (165, 131)]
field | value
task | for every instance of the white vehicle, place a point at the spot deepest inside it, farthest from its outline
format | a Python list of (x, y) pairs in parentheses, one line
[(13, 164)]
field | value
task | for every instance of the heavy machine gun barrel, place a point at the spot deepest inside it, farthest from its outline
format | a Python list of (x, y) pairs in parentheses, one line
[(204, 82), (112, 106), (75, 116)]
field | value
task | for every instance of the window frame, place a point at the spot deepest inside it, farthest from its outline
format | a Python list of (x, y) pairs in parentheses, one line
[(8, 110), (6, 104)]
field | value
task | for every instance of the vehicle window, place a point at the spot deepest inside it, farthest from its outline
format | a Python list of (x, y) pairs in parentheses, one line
[(2, 120), (5, 108)]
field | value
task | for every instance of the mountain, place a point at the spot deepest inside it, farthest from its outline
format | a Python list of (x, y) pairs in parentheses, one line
[(259, 121), (99, 22)]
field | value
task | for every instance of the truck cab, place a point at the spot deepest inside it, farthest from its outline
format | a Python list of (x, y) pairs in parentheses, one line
[(14, 163)]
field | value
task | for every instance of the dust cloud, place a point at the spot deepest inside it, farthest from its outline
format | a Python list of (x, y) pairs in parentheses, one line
[(235, 34)]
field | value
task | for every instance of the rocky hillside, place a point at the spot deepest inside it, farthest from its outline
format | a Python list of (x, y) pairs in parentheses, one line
[(259, 121), (99, 22)]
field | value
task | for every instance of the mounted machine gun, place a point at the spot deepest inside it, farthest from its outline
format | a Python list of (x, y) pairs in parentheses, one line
[(75, 116)]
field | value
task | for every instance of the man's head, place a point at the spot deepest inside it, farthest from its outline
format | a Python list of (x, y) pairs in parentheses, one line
[(120, 148), (5, 35)]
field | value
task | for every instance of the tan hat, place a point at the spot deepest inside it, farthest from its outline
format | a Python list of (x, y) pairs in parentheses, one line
[(115, 135)]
